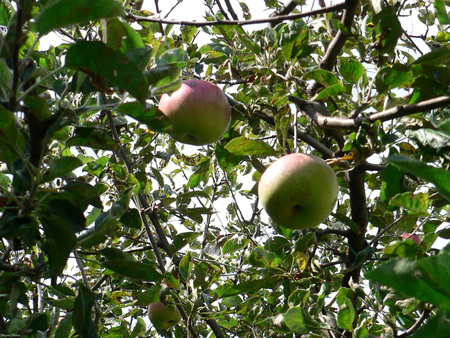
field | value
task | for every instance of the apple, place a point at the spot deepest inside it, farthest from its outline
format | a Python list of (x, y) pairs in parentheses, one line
[(413, 237), (298, 191), (199, 111), (162, 317)]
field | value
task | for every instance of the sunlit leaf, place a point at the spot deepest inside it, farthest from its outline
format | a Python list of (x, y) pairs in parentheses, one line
[(426, 279), (241, 146), (416, 204), (346, 313), (259, 257), (389, 78), (62, 13), (439, 177), (294, 320)]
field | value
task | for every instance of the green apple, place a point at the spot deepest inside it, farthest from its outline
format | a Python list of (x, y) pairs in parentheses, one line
[(199, 111), (298, 191), (162, 317)]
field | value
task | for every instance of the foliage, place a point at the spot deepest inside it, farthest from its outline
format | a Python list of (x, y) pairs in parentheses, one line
[(101, 213)]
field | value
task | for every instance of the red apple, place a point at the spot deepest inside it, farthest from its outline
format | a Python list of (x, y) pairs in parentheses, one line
[(162, 317), (413, 237), (199, 111), (298, 191)]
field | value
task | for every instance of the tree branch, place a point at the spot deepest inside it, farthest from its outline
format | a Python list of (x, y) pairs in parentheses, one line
[(416, 325), (332, 8), (327, 153), (315, 111), (335, 47), (282, 11), (359, 215), (143, 206), (231, 10)]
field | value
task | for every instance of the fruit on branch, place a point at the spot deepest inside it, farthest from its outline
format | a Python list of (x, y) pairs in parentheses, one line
[(199, 111), (298, 191), (162, 317), (413, 237)]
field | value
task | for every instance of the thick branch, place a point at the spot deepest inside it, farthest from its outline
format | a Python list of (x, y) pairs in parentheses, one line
[(238, 22), (282, 11), (231, 10), (359, 215), (315, 111), (335, 47)]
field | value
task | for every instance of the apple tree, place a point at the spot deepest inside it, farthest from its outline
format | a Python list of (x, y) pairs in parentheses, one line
[(103, 213)]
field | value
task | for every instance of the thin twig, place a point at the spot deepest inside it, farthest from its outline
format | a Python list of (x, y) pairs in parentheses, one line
[(386, 229), (332, 8)]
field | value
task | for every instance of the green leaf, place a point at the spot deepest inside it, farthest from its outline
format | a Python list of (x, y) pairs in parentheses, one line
[(165, 77), (186, 266), (388, 28), (234, 244), (294, 320), (11, 140), (137, 270), (115, 254), (346, 313), (436, 139), (91, 137), (38, 106), (227, 160), (228, 290), (241, 146), (439, 177), (64, 327), (402, 249), (391, 183), (59, 241), (201, 173), (121, 36), (188, 33), (441, 12), (416, 204), (82, 194), (4, 14), (64, 13), (351, 70), (132, 219), (246, 41), (94, 57), (82, 313), (259, 257), (322, 76), (426, 279), (329, 91), (293, 38), (150, 116), (305, 242), (183, 239), (396, 76), (39, 323), (438, 56), (59, 167), (68, 213)]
